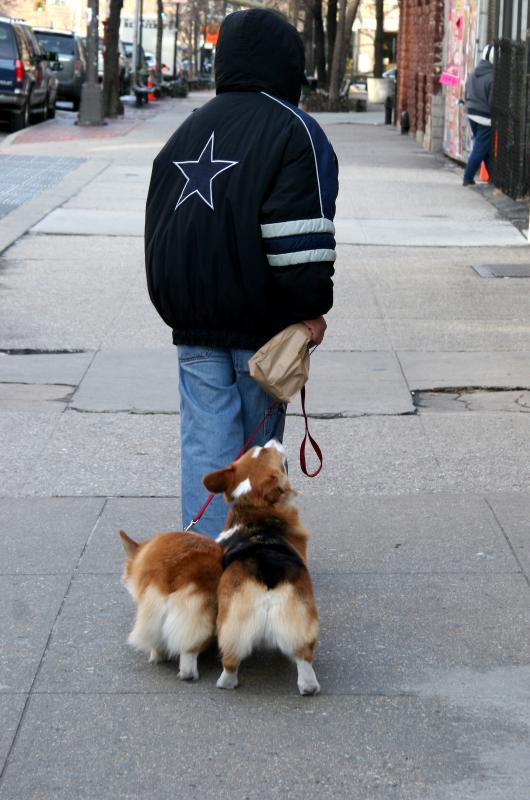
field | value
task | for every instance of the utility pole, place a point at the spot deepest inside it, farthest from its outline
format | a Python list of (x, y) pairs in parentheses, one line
[(91, 111), (175, 43), (379, 37), (135, 52)]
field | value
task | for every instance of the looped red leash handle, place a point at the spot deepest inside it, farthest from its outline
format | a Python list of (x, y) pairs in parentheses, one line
[(314, 445)]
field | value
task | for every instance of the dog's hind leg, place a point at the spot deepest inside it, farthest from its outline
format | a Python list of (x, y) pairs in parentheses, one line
[(147, 632), (307, 680), (188, 667), (228, 678), (156, 656), (188, 628)]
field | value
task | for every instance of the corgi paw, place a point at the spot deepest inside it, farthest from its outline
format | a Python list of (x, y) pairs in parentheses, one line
[(188, 676), (307, 680), (188, 667), (155, 656), (227, 680), (309, 688)]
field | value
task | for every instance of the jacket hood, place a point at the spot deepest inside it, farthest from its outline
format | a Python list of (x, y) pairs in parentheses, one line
[(483, 68), (258, 51)]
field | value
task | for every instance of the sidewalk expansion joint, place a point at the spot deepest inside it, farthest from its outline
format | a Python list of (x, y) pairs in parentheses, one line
[(29, 351), (508, 541), (314, 415)]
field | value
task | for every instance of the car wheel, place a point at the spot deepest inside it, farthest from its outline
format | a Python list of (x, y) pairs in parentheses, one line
[(20, 120), (50, 111), (77, 102)]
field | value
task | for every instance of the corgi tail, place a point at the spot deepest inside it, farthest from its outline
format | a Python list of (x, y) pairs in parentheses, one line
[(129, 545)]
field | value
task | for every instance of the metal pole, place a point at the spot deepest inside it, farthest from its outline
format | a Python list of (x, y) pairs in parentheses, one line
[(175, 43), (91, 110), (135, 42), (140, 35)]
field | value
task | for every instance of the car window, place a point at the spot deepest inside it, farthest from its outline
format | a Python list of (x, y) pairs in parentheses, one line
[(7, 42), (22, 43), (55, 43), (32, 44)]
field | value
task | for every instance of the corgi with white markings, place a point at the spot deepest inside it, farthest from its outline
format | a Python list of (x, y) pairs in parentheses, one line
[(265, 594), (173, 578)]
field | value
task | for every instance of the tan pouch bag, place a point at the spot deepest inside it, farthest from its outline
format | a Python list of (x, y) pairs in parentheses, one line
[(281, 366)]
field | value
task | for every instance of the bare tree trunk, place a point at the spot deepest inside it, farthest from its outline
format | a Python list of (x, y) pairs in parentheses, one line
[(307, 36), (332, 29), (159, 34), (347, 14), (196, 34), (351, 13), (379, 37), (112, 105), (294, 8), (320, 50), (335, 77)]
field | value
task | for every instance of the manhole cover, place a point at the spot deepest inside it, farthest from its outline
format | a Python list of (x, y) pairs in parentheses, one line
[(503, 270)]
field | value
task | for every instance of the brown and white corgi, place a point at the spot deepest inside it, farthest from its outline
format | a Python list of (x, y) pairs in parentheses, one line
[(265, 593), (173, 577)]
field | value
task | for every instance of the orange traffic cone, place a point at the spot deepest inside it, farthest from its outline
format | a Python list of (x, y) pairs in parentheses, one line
[(484, 176), (150, 94)]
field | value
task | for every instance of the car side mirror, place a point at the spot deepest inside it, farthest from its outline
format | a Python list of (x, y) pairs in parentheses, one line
[(51, 55)]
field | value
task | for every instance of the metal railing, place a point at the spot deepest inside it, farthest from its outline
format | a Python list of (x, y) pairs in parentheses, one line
[(511, 118)]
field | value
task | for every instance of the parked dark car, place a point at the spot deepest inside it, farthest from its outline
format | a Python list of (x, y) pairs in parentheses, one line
[(28, 79), (71, 52)]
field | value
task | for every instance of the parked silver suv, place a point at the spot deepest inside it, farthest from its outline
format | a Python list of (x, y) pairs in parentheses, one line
[(72, 57)]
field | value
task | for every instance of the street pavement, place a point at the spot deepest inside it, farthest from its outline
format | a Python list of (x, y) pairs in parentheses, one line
[(420, 400)]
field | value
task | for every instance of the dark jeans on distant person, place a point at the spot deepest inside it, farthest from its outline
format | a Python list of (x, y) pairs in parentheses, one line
[(481, 150)]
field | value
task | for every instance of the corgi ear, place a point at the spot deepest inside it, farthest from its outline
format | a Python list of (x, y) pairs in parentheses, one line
[(219, 481), (129, 545)]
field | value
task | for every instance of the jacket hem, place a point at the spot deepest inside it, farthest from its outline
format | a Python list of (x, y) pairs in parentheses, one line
[(232, 340)]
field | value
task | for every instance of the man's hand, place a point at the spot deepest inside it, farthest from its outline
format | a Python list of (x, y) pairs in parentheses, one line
[(317, 328)]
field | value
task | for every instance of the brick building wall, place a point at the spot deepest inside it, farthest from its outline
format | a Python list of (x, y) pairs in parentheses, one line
[(420, 42)]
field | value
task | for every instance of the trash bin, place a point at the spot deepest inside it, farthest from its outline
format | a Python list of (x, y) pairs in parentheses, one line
[(379, 89)]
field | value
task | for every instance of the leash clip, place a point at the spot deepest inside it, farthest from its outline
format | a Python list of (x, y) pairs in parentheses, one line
[(190, 526)]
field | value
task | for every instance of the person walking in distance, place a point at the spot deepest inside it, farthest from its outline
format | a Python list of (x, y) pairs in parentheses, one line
[(239, 241), (478, 102)]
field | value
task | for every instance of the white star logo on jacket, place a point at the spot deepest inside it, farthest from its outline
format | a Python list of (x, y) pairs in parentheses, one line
[(200, 174)]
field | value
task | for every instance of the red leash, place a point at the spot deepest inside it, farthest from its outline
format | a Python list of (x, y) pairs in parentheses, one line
[(251, 438), (314, 445)]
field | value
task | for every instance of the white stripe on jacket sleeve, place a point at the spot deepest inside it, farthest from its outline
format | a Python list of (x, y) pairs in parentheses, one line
[(301, 257), (318, 225)]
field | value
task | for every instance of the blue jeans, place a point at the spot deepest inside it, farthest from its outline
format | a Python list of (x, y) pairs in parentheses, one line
[(220, 407), (481, 150)]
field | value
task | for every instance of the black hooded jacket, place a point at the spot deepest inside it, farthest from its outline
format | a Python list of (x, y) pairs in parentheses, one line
[(239, 220)]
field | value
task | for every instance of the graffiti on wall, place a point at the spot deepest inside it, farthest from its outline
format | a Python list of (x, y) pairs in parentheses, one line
[(462, 34)]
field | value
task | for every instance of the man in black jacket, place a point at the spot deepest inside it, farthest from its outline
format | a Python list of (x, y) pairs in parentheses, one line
[(239, 240), (478, 100)]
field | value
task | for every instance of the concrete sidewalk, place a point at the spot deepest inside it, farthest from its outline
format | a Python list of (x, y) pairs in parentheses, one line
[(420, 553)]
